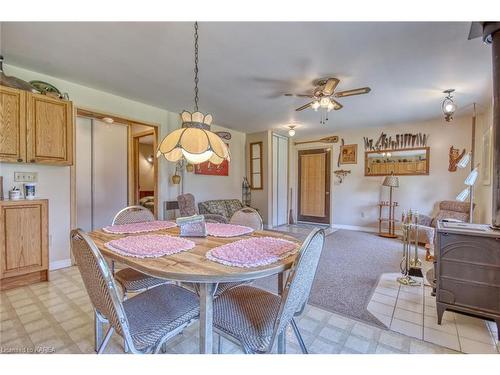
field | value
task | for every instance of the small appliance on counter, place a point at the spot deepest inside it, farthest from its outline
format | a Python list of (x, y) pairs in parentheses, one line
[(29, 190), (15, 194)]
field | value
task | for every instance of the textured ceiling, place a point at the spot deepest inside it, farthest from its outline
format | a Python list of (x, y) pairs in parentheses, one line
[(246, 67)]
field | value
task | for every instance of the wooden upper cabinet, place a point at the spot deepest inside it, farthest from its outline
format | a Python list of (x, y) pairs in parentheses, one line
[(49, 130), (35, 128), (12, 125)]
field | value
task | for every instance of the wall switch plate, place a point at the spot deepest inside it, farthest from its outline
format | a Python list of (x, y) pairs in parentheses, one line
[(25, 176)]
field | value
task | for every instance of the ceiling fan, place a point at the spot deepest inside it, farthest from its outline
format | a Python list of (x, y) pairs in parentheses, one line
[(324, 95)]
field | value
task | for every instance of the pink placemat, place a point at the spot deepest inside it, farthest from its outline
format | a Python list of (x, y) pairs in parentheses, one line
[(252, 252), (227, 230), (147, 226), (149, 245)]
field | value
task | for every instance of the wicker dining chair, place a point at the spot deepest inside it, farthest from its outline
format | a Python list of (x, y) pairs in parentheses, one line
[(254, 318), (130, 280), (248, 217), (146, 321)]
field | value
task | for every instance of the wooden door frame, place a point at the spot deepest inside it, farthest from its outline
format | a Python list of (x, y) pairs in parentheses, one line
[(314, 219), (134, 170), (99, 115)]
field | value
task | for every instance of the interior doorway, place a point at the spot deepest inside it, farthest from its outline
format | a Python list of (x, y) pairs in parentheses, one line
[(314, 186), (102, 176), (101, 172), (144, 169)]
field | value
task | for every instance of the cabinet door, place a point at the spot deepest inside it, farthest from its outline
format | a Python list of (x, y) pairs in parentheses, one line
[(12, 125), (49, 130), (24, 246)]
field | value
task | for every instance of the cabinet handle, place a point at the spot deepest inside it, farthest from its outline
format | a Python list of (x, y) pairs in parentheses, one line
[(20, 160)]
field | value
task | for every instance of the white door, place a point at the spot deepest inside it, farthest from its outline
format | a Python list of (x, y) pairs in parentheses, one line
[(280, 180), (101, 172)]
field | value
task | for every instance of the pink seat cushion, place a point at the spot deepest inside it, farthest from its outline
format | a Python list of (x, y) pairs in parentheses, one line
[(149, 245), (227, 230), (253, 252), (147, 226)]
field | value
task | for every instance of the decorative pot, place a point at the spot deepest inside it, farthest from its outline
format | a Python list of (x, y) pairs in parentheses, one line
[(176, 179)]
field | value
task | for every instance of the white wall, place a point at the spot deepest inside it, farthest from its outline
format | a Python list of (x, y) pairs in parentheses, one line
[(354, 202), (262, 199), (54, 181)]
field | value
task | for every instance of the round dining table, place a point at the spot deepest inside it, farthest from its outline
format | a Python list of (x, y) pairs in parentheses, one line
[(194, 267)]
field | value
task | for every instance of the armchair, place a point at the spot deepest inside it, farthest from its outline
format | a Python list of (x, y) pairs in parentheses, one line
[(450, 210), (187, 207)]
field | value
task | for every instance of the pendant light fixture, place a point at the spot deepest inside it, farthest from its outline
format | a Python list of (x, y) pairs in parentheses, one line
[(448, 106), (194, 141)]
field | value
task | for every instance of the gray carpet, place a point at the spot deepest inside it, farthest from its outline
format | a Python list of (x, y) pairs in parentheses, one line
[(348, 272)]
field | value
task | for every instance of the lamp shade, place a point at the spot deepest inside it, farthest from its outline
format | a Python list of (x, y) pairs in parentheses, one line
[(464, 194), (391, 181), (196, 145), (472, 177), (464, 160)]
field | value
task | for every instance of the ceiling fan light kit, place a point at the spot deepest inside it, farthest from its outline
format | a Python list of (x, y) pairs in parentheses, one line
[(324, 97)]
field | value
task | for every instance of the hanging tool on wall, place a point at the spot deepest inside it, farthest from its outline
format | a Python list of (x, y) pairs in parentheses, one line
[(341, 144)]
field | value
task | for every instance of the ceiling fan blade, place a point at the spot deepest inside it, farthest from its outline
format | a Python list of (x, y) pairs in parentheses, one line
[(330, 86), (361, 90), (336, 105), (300, 95), (304, 107), (476, 30)]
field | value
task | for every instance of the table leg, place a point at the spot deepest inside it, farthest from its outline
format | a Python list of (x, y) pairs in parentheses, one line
[(206, 317), (282, 335)]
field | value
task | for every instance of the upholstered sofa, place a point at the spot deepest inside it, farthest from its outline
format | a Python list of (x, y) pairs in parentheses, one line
[(223, 207)]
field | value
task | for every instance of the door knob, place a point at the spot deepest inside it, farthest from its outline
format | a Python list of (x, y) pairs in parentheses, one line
[(327, 192)]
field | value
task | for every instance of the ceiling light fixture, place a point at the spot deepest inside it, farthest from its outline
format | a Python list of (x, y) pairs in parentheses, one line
[(108, 120), (315, 105), (449, 106), (194, 141), (291, 131)]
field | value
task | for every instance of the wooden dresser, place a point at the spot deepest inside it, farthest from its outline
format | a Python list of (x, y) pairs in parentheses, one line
[(24, 242), (467, 270)]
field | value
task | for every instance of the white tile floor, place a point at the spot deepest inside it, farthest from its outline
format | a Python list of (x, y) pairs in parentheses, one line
[(411, 310)]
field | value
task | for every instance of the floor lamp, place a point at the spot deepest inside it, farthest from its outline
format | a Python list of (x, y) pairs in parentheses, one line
[(391, 182)]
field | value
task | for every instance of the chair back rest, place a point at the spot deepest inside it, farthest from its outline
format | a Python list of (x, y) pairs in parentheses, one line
[(300, 279), (133, 214), (99, 282), (248, 217), (187, 206)]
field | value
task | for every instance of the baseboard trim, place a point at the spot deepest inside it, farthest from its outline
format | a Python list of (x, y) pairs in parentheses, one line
[(58, 264), (355, 227), (360, 228)]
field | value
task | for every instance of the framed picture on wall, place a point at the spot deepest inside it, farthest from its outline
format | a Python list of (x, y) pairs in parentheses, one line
[(212, 169), (486, 157), (349, 154)]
